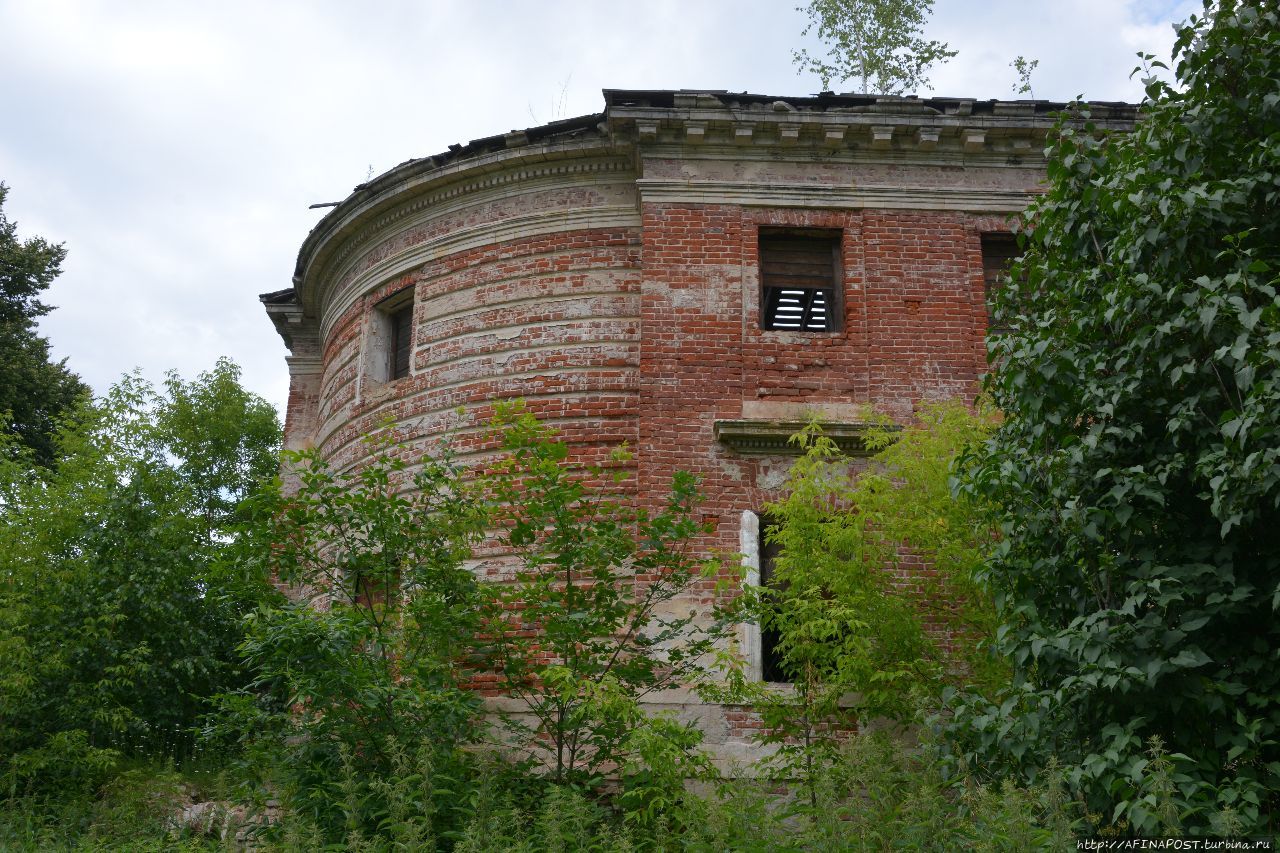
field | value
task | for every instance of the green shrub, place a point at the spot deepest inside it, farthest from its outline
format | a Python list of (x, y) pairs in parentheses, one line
[(1137, 473), (881, 792), (137, 810), (120, 603), (359, 681), (587, 629), (848, 612)]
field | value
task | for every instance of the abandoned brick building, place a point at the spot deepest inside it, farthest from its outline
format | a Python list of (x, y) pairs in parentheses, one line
[(688, 272)]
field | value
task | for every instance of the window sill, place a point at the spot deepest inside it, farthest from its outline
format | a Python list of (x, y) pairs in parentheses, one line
[(376, 391)]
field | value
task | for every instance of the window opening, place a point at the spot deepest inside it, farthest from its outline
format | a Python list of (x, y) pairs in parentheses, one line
[(401, 323), (388, 344), (998, 252), (800, 281), (377, 588), (770, 657)]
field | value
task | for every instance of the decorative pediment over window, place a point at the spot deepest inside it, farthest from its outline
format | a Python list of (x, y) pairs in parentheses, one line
[(772, 438)]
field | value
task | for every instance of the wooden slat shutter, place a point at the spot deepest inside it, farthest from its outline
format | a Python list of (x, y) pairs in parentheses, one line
[(401, 341), (800, 278)]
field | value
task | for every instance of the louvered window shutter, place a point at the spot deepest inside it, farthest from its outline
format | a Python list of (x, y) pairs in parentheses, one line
[(800, 277)]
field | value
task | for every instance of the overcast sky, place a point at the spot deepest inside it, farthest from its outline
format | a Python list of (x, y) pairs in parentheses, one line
[(175, 146)]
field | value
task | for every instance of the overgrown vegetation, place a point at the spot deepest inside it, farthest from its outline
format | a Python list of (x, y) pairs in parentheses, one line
[(879, 793), (356, 723), (34, 391), (1136, 480), (120, 595), (862, 630), (360, 675), (587, 630)]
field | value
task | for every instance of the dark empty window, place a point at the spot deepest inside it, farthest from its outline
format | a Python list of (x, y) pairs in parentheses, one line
[(998, 252), (770, 658), (377, 588), (401, 324), (800, 281)]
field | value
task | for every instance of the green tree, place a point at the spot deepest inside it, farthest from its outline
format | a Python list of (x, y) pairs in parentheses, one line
[(876, 42), (850, 600), (390, 632), (593, 623), (1137, 473), (120, 603), (34, 392), (366, 665), (1024, 68)]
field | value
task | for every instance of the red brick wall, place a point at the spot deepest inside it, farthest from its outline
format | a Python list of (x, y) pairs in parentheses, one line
[(552, 319), (649, 335), (913, 328)]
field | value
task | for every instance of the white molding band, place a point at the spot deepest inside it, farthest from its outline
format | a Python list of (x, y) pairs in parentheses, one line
[(484, 234), (755, 194)]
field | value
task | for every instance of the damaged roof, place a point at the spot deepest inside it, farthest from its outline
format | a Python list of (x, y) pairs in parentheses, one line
[(629, 101)]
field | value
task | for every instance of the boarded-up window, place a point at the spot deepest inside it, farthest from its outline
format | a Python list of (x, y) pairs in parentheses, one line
[(801, 284), (401, 323), (998, 252)]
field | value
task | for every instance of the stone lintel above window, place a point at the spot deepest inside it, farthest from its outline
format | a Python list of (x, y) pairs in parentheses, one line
[(772, 438)]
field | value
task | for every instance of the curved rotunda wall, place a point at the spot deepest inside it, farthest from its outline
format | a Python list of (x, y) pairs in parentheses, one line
[(524, 274)]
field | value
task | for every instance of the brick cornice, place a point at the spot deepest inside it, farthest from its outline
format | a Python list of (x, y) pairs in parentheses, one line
[(421, 186), (879, 126), (475, 189)]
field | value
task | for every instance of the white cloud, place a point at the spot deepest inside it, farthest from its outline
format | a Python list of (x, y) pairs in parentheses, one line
[(175, 146)]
